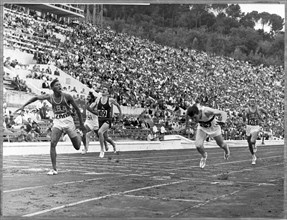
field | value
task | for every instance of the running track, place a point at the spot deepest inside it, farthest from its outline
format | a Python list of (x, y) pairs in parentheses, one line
[(166, 184)]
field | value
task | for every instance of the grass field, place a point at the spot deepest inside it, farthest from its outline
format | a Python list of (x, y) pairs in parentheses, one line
[(151, 184)]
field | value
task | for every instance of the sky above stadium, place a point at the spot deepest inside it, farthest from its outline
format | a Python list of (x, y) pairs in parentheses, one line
[(278, 9)]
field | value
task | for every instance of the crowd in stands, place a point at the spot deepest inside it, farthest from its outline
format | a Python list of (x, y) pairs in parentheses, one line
[(142, 73), (15, 82)]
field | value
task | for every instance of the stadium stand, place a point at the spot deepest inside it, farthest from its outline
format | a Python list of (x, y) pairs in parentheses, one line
[(141, 74)]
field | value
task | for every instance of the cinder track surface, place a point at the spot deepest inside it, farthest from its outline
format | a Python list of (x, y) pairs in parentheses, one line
[(151, 184)]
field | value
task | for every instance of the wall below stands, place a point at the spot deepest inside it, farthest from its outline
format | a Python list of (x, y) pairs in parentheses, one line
[(17, 98), (36, 148), (22, 57)]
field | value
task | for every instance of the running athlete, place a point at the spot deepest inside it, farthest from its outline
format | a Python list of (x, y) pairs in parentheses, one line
[(252, 115), (91, 123), (62, 122), (207, 125), (104, 107)]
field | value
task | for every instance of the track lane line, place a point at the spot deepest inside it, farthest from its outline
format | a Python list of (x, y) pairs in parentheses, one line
[(102, 197)]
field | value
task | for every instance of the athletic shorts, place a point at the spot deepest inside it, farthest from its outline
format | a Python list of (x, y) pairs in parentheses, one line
[(66, 125), (92, 124), (103, 121), (250, 129), (202, 133)]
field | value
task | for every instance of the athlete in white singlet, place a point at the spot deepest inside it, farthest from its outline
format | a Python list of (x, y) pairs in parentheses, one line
[(91, 123), (62, 122), (253, 118), (208, 125)]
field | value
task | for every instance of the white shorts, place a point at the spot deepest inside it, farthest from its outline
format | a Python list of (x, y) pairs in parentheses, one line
[(201, 133), (92, 124), (250, 129), (66, 125)]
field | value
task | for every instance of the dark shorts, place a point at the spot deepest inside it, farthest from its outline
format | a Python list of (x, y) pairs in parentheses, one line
[(103, 121)]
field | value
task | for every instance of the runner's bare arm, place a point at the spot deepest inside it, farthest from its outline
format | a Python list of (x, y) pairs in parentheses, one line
[(91, 109), (187, 121), (217, 112), (72, 102), (33, 99), (264, 112), (118, 106)]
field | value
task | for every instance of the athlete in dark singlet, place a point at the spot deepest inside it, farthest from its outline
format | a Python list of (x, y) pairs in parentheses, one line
[(62, 122), (104, 108), (253, 118)]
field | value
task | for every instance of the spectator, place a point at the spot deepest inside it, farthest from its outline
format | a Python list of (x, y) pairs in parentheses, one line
[(45, 85), (20, 120), (57, 72), (162, 132), (74, 89)]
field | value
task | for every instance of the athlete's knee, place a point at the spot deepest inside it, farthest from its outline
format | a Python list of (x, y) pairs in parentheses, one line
[(199, 146), (222, 144), (53, 143)]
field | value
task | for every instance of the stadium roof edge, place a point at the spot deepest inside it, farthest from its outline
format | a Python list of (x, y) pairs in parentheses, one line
[(52, 9)]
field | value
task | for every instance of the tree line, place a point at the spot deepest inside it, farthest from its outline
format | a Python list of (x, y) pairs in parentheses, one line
[(218, 29)]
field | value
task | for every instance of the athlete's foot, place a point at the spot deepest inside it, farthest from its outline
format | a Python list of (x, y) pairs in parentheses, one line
[(253, 159), (52, 172), (84, 151), (102, 154), (227, 153), (106, 148), (203, 161)]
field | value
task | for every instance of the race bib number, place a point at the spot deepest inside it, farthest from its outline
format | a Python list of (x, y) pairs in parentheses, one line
[(205, 124), (252, 122), (90, 117), (103, 113), (59, 116)]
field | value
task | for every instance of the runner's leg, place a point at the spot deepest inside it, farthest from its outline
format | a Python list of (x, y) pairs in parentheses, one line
[(55, 137), (222, 144), (101, 132)]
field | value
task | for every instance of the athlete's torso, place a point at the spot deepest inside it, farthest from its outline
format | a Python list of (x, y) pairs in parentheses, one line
[(104, 110), (61, 109), (206, 121), (253, 118)]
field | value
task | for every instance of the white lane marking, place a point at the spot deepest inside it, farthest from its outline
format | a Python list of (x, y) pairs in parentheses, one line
[(101, 197), (203, 203), (56, 184), (231, 162), (248, 169), (166, 199)]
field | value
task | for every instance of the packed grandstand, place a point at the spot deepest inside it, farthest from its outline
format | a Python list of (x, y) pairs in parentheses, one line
[(142, 76)]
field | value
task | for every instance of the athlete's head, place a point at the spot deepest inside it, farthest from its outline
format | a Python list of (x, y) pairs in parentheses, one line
[(91, 98), (105, 91), (56, 85), (193, 112), (252, 101)]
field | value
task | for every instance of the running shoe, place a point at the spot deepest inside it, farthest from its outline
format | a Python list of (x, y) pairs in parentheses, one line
[(102, 154), (52, 172), (253, 159), (227, 155), (84, 151), (203, 161)]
